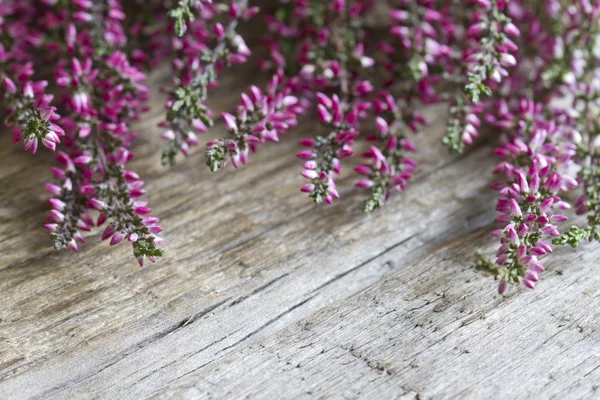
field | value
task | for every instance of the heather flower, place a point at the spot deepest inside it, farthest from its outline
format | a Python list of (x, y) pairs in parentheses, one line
[(260, 118), (536, 166), (322, 160), (529, 213), (418, 28), (489, 62), (205, 47), (486, 60), (389, 168), (103, 93), (30, 115), (579, 73), (524, 73)]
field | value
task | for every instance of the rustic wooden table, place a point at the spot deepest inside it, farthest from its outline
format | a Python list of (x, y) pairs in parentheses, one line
[(263, 295)]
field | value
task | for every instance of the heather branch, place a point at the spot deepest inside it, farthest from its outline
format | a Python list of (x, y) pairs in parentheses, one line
[(390, 168), (183, 13), (27, 106), (493, 55), (261, 117), (187, 111), (484, 61), (579, 69), (104, 95)]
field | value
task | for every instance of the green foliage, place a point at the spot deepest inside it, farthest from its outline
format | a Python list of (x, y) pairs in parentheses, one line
[(147, 248), (36, 126), (372, 204), (476, 86), (483, 263), (455, 130), (169, 153), (375, 201), (182, 14), (216, 157), (573, 237), (319, 193)]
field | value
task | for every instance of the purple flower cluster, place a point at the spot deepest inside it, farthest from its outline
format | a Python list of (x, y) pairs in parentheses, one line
[(322, 160), (389, 168), (208, 45), (101, 93), (526, 72), (550, 147), (29, 114), (260, 118), (537, 158)]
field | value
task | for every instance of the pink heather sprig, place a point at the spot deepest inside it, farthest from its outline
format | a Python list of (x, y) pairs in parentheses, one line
[(412, 49), (318, 41), (389, 168), (579, 69), (317, 71), (494, 51), (69, 217), (322, 44), (415, 43), (209, 44), (488, 53), (129, 217), (528, 209), (29, 114), (322, 159), (100, 103), (538, 157), (103, 93), (414, 53), (77, 196), (260, 118), (332, 59), (564, 69)]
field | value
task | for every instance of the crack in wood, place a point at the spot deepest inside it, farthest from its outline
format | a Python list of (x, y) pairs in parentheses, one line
[(246, 337), (269, 322), (258, 289), (362, 264), (153, 338)]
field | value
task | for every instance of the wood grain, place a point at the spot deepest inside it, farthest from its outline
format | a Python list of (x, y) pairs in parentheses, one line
[(263, 295)]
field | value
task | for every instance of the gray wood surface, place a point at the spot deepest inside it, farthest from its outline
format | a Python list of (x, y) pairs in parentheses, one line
[(263, 295)]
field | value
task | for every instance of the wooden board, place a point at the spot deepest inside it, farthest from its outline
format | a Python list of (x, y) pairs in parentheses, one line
[(263, 295)]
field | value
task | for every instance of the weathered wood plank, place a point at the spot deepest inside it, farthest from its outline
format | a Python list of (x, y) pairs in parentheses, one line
[(247, 257), (430, 331)]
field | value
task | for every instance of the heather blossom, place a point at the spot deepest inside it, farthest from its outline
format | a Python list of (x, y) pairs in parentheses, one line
[(537, 159), (101, 94), (389, 168), (261, 117), (322, 159), (208, 45), (527, 206), (30, 115)]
